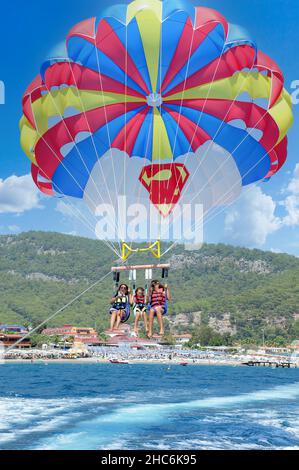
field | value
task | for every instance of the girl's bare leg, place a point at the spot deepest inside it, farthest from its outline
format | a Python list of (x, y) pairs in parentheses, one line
[(160, 321), (137, 318), (118, 319), (112, 319), (145, 321), (151, 321)]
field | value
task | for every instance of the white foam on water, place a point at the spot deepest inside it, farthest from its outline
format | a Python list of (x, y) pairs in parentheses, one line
[(289, 422), (21, 416), (101, 431), (63, 440)]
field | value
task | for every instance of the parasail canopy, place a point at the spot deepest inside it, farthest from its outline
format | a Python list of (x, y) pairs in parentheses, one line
[(160, 102)]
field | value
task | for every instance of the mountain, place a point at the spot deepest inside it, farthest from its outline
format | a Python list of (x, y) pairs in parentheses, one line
[(239, 293)]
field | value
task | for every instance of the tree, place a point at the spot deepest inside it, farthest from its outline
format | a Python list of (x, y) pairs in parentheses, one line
[(169, 339)]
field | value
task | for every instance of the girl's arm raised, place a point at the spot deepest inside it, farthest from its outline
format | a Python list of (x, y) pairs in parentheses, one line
[(167, 292)]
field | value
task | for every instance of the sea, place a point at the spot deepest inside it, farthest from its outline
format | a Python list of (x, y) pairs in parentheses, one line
[(152, 406)]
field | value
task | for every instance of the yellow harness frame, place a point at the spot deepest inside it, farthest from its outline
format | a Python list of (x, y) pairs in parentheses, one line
[(153, 248)]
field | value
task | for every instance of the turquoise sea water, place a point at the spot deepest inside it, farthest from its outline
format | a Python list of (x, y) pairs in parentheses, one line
[(109, 406)]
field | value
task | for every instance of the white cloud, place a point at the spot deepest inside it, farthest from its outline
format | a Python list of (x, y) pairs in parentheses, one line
[(276, 250), (73, 208), (65, 209), (18, 194), (252, 219), (291, 202), (291, 205), (14, 228)]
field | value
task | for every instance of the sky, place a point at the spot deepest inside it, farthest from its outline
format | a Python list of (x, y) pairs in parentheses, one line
[(266, 216)]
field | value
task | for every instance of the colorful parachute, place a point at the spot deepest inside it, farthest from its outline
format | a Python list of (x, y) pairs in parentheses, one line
[(161, 102)]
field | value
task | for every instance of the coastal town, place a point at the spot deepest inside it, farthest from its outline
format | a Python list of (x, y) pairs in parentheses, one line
[(122, 346)]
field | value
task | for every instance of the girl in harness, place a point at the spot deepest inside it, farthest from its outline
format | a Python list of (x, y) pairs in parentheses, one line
[(140, 309), (158, 305), (120, 306)]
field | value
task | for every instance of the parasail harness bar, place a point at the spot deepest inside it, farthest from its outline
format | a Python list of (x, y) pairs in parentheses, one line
[(147, 268), (153, 248)]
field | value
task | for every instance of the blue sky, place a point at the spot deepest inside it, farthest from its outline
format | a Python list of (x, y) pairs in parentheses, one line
[(29, 32)]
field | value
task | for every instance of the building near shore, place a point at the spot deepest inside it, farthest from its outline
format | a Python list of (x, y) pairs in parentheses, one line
[(11, 329), (9, 340), (131, 341), (182, 339), (123, 329), (11, 334), (294, 346), (85, 335)]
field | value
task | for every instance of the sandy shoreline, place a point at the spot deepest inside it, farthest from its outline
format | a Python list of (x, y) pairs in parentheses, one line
[(132, 362)]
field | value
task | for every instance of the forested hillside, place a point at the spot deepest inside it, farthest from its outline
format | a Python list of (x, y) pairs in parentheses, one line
[(235, 292)]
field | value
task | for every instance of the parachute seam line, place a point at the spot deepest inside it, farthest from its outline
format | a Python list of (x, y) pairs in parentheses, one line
[(248, 134), (108, 132), (217, 132), (145, 162), (126, 117), (74, 142), (151, 129), (61, 162), (184, 89), (224, 208), (197, 124), (96, 152)]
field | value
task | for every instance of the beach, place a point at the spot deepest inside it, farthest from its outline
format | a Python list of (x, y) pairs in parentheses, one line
[(167, 356)]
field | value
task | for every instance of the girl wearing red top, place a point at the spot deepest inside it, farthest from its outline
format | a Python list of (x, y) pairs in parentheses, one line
[(140, 308), (159, 295)]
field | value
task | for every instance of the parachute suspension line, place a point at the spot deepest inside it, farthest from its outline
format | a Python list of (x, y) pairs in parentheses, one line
[(150, 127), (125, 146), (232, 153), (198, 121), (154, 247), (184, 88), (226, 159), (140, 185), (108, 131), (245, 174), (222, 209), (159, 144), (181, 104), (111, 222), (75, 144), (87, 224), (61, 309), (211, 143), (70, 205)]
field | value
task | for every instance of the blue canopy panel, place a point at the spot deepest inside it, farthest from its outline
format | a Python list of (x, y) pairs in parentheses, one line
[(73, 173), (250, 156)]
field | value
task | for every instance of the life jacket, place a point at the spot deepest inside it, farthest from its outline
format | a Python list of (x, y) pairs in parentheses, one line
[(139, 300), (158, 298), (121, 301)]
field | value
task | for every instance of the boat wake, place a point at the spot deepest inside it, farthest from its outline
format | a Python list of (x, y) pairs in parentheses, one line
[(234, 421)]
